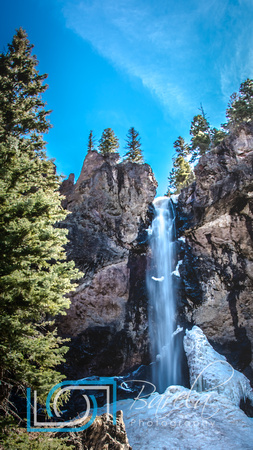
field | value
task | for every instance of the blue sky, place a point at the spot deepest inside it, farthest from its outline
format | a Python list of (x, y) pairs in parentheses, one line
[(142, 63)]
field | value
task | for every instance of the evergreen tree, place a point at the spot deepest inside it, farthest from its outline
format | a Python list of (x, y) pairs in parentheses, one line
[(133, 146), (181, 174), (108, 143), (21, 108), (91, 142), (200, 132), (181, 148), (34, 273), (240, 107), (217, 136)]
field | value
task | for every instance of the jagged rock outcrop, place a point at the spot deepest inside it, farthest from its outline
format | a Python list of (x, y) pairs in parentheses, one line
[(102, 435), (111, 209), (215, 216)]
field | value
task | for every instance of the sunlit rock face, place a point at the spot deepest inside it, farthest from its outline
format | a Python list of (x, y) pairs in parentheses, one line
[(111, 209), (215, 216)]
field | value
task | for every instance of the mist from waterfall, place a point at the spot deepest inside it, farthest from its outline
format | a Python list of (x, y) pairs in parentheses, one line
[(164, 344)]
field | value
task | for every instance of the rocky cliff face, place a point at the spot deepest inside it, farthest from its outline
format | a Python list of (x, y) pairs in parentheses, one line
[(215, 216), (107, 321)]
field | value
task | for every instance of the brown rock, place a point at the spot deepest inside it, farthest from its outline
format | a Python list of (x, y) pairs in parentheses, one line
[(110, 205), (101, 302), (101, 435), (215, 214)]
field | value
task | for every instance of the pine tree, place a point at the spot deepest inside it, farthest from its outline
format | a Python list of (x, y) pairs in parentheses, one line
[(108, 143), (240, 107), (181, 148), (34, 273), (217, 136), (200, 132), (91, 142), (22, 110), (181, 174), (133, 146)]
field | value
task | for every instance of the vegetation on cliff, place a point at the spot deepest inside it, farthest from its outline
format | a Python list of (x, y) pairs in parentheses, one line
[(240, 107), (91, 142), (181, 173), (133, 146), (109, 143), (204, 137)]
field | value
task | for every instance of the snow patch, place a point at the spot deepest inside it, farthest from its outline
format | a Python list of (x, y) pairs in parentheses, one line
[(149, 230), (210, 371), (176, 271), (178, 330), (158, 279), (174, 198), (184, 419)]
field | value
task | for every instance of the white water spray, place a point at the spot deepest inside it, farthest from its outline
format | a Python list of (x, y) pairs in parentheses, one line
[(161, 297)]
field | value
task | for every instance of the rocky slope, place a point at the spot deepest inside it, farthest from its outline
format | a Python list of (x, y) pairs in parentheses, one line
[(107, 321), (215, 216)]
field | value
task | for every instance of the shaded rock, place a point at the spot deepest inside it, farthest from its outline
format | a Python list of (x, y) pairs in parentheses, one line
[(101, 435), (215, 216), (67, 187), (101, 302), (110, 207)]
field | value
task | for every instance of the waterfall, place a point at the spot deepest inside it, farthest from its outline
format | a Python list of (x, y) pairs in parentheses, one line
[(161, 296)]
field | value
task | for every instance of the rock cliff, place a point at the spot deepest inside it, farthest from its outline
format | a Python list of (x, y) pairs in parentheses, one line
[(214, 215), (111, 209)]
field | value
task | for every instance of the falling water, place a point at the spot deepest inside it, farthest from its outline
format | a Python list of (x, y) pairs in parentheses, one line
[(161, 296)]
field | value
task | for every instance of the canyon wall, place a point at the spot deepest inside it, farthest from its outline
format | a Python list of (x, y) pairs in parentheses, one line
[(214, 215), (111, 207)]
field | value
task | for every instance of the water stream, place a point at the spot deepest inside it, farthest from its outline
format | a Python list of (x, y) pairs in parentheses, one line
[(162, 326)]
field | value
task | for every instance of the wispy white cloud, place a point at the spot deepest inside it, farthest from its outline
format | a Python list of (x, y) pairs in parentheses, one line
[(177, 50), (236, 58)]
